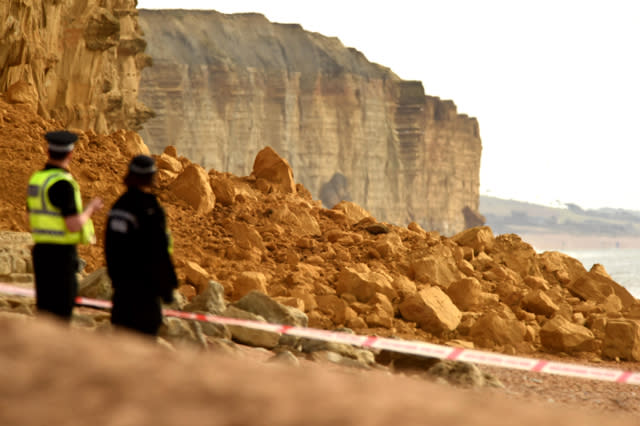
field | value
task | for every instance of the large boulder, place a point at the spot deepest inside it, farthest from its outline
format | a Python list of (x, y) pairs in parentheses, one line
[(275, 170), (223, 188), (538, 302), (559, 268), (211, 300), (196, 275), (600, 288), (265, 307), (272, 311), (466, 293), (561, 335), (622, 340), (335, 308), (364, 283), (509, 250), (192, 186), (352, 211), (247, 282), (432, 310), (492, 330), (300, 220), (250, 336), (435, 270), (169, 163), (479, 238)]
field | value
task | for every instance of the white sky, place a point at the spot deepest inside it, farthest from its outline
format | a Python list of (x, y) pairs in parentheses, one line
[(554, 84)]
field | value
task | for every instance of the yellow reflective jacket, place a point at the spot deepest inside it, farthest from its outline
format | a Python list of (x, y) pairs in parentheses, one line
[(46, 220)]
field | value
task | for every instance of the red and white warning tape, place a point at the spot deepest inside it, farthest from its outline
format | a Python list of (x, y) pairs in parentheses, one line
[(402, 346)]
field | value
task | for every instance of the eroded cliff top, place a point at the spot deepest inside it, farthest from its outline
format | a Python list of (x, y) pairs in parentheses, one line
[(249, 40)]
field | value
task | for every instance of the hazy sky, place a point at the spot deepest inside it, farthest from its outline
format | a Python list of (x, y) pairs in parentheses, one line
[(554, 84)]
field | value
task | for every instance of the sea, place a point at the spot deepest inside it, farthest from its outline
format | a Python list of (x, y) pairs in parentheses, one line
[(622, 264)]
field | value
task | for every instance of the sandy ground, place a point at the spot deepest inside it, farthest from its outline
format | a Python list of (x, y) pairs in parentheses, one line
[(56, 375)]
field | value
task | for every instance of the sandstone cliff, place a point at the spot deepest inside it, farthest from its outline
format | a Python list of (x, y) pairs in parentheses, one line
[(225, 86), (77, 61)]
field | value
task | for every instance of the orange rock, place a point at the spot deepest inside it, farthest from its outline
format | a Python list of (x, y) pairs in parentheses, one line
[(192, 186), (622, 340), (479, 238), (223, 189), (169, 163), (492, 330), (364, 283), (197, 275), (269, 166), (432, 310), (465, 293), (247, 282), (540, 303), (560, 334), (352, 211)]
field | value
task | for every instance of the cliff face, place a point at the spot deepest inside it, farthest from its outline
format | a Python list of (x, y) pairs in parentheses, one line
[(225, 86), (81, 60)]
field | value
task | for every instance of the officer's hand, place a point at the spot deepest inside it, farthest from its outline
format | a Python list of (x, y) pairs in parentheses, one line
[(95, 205)]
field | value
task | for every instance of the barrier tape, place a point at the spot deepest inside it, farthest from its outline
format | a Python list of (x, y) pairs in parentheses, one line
[(395, 345)]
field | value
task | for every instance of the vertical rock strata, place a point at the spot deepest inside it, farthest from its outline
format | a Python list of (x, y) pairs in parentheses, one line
[(225, 86), (82, 57)]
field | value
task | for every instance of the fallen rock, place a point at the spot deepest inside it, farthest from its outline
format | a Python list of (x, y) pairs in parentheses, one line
[(192, 186), (432, 310), (561, 335), (492, 329), (622, 340), (268, 165)]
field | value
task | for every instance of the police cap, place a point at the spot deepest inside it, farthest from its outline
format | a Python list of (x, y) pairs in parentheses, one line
[(61, 140), (142, 165)]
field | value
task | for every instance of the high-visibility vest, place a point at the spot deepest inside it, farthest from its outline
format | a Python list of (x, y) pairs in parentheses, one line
[(46, 220)]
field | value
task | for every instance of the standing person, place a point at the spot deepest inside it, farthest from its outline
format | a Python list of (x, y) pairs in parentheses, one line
[(138, 252), (58, 223)]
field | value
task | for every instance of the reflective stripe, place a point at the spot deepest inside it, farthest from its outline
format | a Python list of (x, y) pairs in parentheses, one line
[(58, 148), (50, 213), (33, 190), (43, 192), (47, 232), (142, 170), (123, 214)]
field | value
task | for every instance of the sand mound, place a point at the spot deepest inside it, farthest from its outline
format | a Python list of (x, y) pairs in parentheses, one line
[(55, 375)]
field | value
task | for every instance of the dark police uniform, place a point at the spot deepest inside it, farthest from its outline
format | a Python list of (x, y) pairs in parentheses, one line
[(137, 250), (52, 196)]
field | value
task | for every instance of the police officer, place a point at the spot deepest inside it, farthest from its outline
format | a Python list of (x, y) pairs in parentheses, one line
[(58, 223), (138, 252)]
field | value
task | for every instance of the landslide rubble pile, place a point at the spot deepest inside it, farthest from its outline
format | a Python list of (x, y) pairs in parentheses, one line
[(263, 239)]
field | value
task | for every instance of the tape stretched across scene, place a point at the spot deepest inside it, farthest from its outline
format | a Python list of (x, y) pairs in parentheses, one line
[(394, 345)]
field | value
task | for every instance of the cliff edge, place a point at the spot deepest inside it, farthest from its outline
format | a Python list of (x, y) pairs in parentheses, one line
[(75, 61)]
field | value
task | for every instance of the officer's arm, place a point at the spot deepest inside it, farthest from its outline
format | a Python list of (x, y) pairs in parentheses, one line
[(163, 273), (75, 222)]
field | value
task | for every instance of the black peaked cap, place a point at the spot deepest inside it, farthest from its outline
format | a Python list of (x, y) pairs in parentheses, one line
[(142, 165), (61, 140)]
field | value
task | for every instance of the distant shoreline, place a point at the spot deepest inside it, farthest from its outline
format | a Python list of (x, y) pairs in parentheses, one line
[(553, 241)]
